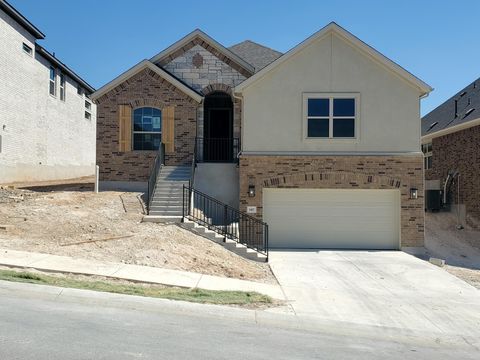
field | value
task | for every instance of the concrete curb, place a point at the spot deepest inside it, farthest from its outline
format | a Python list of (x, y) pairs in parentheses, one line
[(66, 264)]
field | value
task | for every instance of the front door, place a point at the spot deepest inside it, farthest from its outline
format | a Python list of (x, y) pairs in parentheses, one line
[(218, 130)]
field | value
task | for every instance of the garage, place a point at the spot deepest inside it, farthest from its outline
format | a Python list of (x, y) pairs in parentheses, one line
[(332, 218)]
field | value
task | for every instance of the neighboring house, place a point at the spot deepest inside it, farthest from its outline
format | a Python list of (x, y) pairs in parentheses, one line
[(450, 142), (327, 137), (47, 121)]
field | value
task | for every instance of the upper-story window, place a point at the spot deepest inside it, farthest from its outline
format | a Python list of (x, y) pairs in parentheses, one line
[(427, 153), (147, 128), (331, 116), (88, 110), (53, 82), (27, 49), (62, 87)]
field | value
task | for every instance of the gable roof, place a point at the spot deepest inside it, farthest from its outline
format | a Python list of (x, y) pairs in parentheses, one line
[(22, 20), (146, 64), (353, 40), (256, 54), (443, 117), (199, 35)]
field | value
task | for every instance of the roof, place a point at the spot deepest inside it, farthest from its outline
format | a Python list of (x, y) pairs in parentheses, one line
[(197, 33), (146, 64), (443, 117), (354, 41), (257, 55), (65, 69), (22, 20)]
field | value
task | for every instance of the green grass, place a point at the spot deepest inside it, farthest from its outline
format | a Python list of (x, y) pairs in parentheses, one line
[(193, 295)]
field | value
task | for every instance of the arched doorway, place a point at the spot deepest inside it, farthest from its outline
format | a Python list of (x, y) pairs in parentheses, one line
[(218, 127)]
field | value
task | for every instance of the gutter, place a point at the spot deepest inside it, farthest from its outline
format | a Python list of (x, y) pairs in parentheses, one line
[(450, 130)]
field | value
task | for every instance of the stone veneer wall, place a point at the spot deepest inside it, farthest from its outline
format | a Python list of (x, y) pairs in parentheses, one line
[(206, 73), (143, 89), (459, 151), (363, 172)]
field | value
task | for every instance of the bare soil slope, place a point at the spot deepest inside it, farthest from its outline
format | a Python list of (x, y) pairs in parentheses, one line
[(51, 217)]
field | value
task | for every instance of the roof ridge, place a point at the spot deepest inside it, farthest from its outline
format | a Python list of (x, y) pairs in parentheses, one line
[(256, 43)]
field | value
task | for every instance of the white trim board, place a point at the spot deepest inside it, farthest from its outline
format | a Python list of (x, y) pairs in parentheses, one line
[(450, 130), (144, 64), (423, 87)]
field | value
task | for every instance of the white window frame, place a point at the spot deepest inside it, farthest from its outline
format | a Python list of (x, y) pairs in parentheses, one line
[(54, 81), (427, 155), (63, 87), (331, 96), (27, 49)]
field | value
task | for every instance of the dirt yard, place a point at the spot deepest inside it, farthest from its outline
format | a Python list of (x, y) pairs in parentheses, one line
[(50, 218), (459, 248)]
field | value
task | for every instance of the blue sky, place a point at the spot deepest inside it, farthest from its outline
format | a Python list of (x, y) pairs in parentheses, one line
[(438, 41)]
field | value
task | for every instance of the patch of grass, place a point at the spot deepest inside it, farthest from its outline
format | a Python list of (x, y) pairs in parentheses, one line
[(193, 295)]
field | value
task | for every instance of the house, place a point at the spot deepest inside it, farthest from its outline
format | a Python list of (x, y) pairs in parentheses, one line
[(47, 121), (321, 143), (450, 142)]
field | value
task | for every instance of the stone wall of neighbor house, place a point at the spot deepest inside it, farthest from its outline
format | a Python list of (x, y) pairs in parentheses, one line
[(143, 89), (362, 172), (459, 151), (41, 136)]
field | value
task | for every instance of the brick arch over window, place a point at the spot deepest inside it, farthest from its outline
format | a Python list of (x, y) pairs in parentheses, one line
[(154, 103), (217, 87), (336, 179)]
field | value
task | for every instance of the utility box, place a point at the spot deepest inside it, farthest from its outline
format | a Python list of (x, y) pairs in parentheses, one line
[(433, 200)]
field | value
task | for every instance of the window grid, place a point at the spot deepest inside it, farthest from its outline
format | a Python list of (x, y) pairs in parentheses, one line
[(146, 139), (331, 118)]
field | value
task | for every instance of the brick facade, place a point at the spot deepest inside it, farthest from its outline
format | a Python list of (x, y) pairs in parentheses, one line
[(340, 172), (143, 89), (459, 151)]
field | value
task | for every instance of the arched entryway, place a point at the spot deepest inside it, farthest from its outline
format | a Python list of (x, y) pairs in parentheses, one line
[(218, 127)]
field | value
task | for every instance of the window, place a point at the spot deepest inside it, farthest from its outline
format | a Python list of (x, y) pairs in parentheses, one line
[(147, 128), (331, 116), (88, 105), (53, 82), (427, 153), (88, 110), (88, 115), (62, 87), (27, 49)]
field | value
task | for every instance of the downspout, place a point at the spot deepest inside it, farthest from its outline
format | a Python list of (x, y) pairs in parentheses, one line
[(241, 121)]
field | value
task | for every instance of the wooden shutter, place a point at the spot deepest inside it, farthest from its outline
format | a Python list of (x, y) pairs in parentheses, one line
[(125, 128), (168, 128)]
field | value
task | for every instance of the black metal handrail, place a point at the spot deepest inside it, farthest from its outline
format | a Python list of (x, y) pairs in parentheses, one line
[(152, 180), (225, 220), (217, 149)]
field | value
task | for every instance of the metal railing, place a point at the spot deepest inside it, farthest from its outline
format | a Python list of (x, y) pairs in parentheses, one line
[(217, 149), (225, 220), (152, 180)]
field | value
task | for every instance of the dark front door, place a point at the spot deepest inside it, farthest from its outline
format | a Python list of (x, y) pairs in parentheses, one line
[(218, 131)]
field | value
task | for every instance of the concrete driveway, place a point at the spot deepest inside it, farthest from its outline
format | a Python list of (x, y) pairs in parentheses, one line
[(377, 288)]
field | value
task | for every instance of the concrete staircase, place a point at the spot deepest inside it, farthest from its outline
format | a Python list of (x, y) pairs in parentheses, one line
[(167, 198), (231, 245)]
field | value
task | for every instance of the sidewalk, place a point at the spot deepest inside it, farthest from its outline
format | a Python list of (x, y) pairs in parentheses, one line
[(66, 264)]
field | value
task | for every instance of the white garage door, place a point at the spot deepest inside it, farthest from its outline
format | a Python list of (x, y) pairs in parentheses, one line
[(334, 219)]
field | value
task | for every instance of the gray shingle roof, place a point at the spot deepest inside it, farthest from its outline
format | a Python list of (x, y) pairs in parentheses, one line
[(468, 108), (255, 54)]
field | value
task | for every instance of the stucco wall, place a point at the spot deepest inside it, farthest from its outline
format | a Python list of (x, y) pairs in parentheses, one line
[(42, 137), (273, 106)]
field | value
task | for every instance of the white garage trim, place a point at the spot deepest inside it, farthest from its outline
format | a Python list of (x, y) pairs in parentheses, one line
[(333, 218)]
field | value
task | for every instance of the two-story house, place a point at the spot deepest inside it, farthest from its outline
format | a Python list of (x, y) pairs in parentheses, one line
[(47, 120), (326, 138)]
